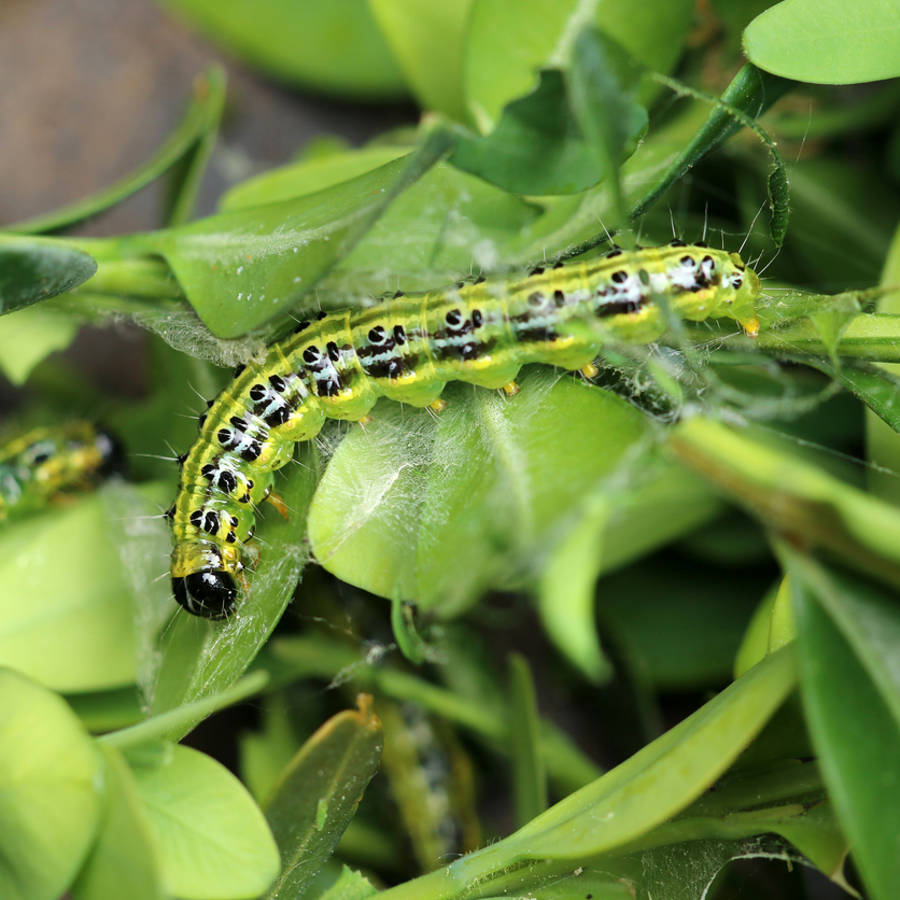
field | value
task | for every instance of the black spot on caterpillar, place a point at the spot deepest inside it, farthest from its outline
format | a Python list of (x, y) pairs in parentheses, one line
[(407, 349), (45, 464)]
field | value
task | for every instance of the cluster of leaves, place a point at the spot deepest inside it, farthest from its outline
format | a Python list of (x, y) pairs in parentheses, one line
[(548, 124)]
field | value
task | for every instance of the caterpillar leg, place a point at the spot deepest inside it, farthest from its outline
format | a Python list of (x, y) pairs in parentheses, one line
[(278, 502), (365, 420), (438, 405), (750, 326), (511, 389), (589, 371)]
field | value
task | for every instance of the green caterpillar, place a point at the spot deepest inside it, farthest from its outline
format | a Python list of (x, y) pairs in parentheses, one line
[(407, 349), (47, 464)]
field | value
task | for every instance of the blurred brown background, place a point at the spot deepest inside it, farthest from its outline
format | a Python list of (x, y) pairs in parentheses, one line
[(90, 88)]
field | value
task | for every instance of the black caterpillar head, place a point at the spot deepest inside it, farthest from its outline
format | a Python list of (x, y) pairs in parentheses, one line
[(210, 594)]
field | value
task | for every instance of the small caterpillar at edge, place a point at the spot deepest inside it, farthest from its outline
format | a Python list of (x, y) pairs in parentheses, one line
[(44, 464), (407, 349)]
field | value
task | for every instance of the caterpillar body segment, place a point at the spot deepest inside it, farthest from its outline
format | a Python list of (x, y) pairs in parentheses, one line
[(407, 349), (46, 464)]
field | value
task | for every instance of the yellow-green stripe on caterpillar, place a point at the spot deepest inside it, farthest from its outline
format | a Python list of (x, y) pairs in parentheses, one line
[(407, 349), (46, 464)]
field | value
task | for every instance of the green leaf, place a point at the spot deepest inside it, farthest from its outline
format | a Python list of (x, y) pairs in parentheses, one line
[(319, 792), (321, 658), (529, 777), (601, 80), (211, 839), (107, 710), (538, 148), (267, 750), (680, 632), (793, 496), (666, 775), (609, 527), (506, 49), (333, 47), (32, 269), (49, 799), (827, 41), (28, 336), (122, 862), (883, 441), (439, 230), (189, 145), (241, 269), (307, 176), (596, 883), (77, 631), (427, 40), (851, 693), (638, 795), (349, 886), (401, 503), (201, 658), (183, 718), (773, 626), (746, 89)]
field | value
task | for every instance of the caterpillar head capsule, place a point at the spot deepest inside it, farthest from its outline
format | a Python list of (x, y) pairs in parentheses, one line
[(210, 594)]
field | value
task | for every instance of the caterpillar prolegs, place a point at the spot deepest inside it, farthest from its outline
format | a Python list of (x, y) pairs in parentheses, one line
[(407, 349), (45, 464)]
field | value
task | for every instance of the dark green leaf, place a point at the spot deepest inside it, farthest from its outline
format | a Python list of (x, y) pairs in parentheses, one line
[(601, 81), (752, 92), (318, 794), (506, 47), (32, 269), (848, 638), (539, 148), (529, 778)]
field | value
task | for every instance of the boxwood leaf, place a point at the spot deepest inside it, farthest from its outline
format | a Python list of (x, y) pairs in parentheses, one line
[(427, 41), (318, 793), (211, 839), (505, 49), (122, 861), (625, 804), (76, 632), (32, 269), (401, 503), (826, 41), (848, 637), (49, 800), (538, 147), (240, 269), (28, 336), (334, 47)]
